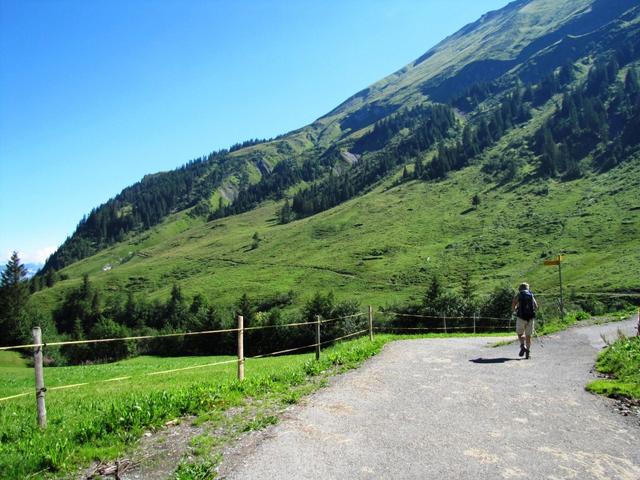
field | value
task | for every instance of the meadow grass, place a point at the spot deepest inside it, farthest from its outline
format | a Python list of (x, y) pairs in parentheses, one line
[(621, 362), (9, 359), (99, 420)]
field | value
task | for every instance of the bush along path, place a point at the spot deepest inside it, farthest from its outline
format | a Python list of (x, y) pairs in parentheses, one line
[(453, 408)]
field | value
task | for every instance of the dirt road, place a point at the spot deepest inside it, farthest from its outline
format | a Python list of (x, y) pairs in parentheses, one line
[(454, 408)]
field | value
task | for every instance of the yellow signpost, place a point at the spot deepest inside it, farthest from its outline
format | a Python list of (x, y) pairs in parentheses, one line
[(558, 261)]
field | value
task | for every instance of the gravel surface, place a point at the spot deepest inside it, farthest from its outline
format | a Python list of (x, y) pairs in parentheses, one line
[(454, 409)]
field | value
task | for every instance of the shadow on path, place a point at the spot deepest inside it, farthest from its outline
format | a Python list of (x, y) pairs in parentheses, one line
[(495, 360)]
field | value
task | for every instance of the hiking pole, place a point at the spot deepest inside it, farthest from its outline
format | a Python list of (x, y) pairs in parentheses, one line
[(535, 332)]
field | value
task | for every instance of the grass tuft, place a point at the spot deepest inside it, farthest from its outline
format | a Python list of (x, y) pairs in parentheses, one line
[(621, 361)]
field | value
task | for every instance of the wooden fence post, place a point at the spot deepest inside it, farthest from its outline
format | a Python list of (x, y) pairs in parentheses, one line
[(317, 337), (474, 323), (370, 323), (37, 362), (240, 347)]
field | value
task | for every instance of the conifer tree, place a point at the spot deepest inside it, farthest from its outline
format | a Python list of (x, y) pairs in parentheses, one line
[(550, 154), (285, 212), (14, 294), (176, 309), (245, 308), (50, 277), (418, 171), (631, 83)]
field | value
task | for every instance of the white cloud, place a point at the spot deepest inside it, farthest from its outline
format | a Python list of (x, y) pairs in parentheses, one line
[(39, 255)]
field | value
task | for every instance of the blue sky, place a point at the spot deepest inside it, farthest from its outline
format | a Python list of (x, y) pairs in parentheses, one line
[(96, 94)]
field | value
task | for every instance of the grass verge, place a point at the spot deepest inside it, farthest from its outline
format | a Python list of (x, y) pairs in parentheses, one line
[(621, 362)]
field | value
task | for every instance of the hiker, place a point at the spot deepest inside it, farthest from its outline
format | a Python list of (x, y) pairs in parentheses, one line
[(524, 305)]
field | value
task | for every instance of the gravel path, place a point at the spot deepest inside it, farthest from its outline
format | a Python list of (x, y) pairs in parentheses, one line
[(424, 409)]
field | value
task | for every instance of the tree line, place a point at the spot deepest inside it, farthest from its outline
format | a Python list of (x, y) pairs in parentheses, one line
[(271, 186), (488, 125), (601, 114), (85, 313), (603, 111), (426, 124), (430, 124), (141, 206)]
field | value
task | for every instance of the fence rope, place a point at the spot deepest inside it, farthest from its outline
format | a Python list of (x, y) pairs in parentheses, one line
[(439, 328), (181, 369), (262, 327), (16, 396), (585, 294), (191, 367), (169, 335), (236, 330), (342, 318), (118, 339), (281, 352), (410, 315), (115, 379)]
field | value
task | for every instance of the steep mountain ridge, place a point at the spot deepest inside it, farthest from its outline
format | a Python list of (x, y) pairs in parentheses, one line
[(499, 36), (390, 124)]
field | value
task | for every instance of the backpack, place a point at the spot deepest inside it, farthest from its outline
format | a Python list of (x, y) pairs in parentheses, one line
[(526, 311)]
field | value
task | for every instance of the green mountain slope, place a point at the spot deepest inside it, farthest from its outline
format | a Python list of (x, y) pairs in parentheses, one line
[(526, 39), (547, 179), (383, 247), (501, 41)]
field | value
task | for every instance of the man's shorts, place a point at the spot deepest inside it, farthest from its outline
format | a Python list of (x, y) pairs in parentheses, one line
[(524, 327)]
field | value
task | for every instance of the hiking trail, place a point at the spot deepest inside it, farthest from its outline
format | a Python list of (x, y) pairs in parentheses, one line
[(454, 408)]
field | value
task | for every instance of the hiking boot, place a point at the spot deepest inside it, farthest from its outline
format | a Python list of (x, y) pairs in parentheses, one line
[(523, 350), (527, 352)]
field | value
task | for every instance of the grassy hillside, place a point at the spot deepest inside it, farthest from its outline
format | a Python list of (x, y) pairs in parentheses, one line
[(481, 51), (525, 40), (383, 247)]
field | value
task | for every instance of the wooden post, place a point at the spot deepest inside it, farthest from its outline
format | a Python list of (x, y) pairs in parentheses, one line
[(37, 362), (317, 337), (474, 323), (561, 296), (370, 323), (240, 347)]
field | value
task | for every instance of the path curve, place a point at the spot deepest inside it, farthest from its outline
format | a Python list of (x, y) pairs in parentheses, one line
[(422, 409)]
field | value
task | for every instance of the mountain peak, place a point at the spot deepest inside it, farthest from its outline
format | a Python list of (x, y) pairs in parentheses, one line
[(479, 52)]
